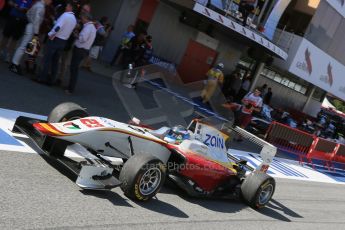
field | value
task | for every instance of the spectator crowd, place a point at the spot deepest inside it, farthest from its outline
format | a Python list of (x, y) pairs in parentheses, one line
[(66, 35)]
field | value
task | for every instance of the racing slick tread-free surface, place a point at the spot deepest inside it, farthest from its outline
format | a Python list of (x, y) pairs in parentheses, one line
[(252, 186), (65, 112), (132, 172)]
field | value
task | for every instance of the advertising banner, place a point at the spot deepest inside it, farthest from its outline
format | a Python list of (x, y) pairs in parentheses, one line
[(317, 67)]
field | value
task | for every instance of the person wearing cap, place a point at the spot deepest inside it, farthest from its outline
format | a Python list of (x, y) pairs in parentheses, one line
[(215, 77)]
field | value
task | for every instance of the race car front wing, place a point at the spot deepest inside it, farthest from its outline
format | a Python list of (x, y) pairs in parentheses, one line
[(91, 173)]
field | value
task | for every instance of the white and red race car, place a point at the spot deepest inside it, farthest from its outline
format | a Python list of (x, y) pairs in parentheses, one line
[(107, 154)]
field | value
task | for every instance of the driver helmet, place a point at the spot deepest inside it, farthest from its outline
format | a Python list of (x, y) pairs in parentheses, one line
[(220, 66), (177, 134)]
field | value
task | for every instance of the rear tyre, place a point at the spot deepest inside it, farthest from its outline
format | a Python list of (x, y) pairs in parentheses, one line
[(257, 189), (142, 176), (67, 111)]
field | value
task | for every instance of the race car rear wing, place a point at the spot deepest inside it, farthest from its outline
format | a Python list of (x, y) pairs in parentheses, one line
[(267, 152), (222, 131)]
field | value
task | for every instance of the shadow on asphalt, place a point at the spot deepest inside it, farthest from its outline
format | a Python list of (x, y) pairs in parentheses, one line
[(214, 204), (275, 206), (154, 204), (111, 196), (274, 209), (162, 207)]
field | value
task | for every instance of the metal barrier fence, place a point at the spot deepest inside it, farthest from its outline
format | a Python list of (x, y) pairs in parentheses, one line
[(340, 155), (323, 150), (289, 139), (306, 146)]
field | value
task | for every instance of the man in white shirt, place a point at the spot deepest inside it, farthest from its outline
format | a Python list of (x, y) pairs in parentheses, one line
[(58, 37), (81, 49)]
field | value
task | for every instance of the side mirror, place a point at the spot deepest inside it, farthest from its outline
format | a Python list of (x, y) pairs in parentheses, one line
[(135, 120)]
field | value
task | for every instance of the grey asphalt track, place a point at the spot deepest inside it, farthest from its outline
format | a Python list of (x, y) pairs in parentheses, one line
[(34, 195)]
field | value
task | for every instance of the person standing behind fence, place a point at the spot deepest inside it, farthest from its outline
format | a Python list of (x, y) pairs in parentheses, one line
[(81, 49), (268, 96), (58, 37), (124, 45), (263, 90), (35, 16), (244, 89)]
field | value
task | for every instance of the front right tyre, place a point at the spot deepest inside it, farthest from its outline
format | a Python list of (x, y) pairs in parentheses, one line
[(142, 176), (257, 189)]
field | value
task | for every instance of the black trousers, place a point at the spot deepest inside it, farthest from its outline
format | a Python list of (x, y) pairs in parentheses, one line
[(52, 52), (77, 57)]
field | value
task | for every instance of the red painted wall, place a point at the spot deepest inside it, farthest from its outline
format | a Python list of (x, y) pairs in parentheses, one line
[(147, 10)]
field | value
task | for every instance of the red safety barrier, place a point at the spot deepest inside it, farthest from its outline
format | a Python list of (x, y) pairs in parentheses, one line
[(323, 150), (290, 139), (340, 154), (305, 145)]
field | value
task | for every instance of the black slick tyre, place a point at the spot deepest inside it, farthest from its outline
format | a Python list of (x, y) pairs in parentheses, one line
[(142, 176), (67, 111), (257, 189)]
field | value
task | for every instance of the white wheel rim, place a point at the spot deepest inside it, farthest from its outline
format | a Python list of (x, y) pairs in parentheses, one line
[(265, 194), (150, 181)]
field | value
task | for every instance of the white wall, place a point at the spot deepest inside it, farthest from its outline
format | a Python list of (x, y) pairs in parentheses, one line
[(313, 107)]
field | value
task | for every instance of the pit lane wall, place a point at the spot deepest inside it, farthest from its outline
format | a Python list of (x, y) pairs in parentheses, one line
[(306, 147)]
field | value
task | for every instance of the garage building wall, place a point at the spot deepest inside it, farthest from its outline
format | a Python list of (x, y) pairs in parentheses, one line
[(229, 51), (109, 8), (170, 36), (283, 97), (124, 13)]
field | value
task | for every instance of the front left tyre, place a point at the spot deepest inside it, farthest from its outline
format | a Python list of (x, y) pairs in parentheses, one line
[(142, 176), (67, 111)]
